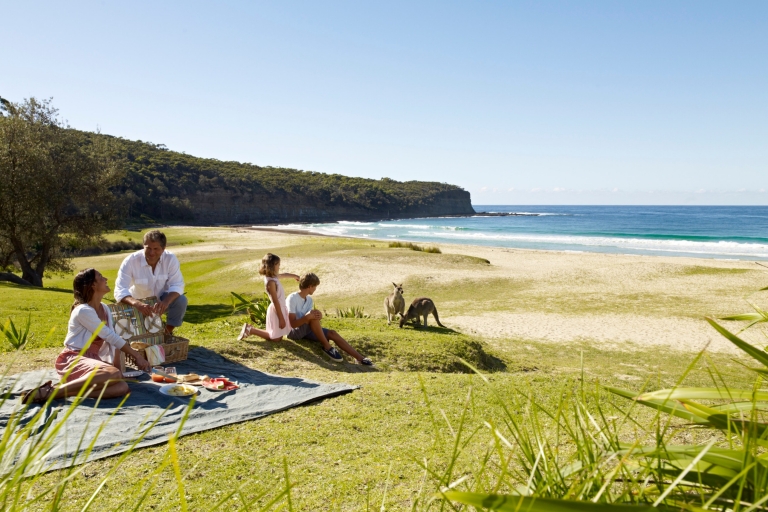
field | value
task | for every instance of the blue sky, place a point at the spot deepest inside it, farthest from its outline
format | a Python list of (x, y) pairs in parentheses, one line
[(518, 102)]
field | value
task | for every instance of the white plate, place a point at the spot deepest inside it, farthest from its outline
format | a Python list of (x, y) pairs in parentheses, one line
[(132, 373), (153, 323), (166, 390), (124, 328)]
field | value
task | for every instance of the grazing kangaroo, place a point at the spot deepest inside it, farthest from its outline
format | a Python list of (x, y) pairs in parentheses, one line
[(394, 304), (418, 308)]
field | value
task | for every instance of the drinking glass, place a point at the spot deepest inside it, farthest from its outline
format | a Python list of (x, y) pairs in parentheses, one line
[(170, 370), (155, 377)]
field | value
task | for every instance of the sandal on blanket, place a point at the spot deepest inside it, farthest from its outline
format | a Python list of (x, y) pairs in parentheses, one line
[(38, 395)]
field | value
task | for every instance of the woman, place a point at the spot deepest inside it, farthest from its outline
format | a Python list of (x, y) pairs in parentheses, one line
[(94, 368)]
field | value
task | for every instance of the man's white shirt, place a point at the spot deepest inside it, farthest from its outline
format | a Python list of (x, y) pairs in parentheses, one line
[(136, 279)]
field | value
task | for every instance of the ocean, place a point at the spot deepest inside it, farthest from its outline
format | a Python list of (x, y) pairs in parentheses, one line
[(722, 232)]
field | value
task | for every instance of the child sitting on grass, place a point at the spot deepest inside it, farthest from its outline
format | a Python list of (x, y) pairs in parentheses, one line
[(305, 322)]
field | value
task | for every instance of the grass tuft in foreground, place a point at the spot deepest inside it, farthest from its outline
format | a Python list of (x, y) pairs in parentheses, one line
[(704, 448)]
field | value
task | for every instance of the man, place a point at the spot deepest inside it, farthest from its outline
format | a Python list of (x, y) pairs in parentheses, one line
[(153, 272)]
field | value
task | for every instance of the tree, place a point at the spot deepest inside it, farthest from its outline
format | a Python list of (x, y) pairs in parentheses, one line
[(54, 184)]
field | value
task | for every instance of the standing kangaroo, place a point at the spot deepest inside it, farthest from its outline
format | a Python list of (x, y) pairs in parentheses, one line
[(418, 308), (395, 303)]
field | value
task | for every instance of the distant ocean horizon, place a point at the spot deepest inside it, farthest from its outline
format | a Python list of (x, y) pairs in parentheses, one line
[(722, 232)]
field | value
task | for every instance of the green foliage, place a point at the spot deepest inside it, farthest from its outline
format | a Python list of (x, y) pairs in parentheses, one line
[(161, 185), (54, 185), (351, 312), (410, 245), (16, 337), (600, 469), (256, 307)]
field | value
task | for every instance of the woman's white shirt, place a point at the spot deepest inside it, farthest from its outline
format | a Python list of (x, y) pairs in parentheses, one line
[(83, 322)]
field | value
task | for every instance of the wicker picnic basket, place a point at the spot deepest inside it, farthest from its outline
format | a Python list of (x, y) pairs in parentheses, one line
[(134, 327)]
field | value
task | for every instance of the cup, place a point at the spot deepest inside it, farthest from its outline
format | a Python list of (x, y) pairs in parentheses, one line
[(155, 377), (170, 370)]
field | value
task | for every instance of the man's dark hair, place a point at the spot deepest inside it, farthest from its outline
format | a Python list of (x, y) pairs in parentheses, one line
[(308, 280), (155, 236)]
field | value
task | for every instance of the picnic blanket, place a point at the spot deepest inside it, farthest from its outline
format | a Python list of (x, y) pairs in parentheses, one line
[(260, 394)]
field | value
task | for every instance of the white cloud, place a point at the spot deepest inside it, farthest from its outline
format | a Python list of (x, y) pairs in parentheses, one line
[(701, 191), (535, 190), (511, 189), (615, 190), (483, 189)]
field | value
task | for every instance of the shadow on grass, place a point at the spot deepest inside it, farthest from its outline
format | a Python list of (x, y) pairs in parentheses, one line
[(201, 313), (310, 351), (430, 328), (6, 284)]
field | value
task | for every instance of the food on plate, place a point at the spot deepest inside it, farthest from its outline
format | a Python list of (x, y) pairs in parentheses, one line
[(138, 345), (190, 377), (220, 384), (181, 390)]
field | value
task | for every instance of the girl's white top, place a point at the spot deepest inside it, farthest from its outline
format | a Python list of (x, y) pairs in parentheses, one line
[(83, 322)]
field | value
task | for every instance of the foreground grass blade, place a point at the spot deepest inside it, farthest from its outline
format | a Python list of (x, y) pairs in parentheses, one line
[(511, 503), (756, 353), (705, 394)]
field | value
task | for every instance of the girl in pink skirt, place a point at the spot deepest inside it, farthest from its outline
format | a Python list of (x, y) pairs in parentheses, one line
[(277, 313)]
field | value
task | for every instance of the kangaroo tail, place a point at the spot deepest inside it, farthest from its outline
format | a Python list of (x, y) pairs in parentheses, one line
[(437, 319)]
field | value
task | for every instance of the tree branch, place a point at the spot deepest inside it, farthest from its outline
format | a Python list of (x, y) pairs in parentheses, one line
[(13, 278)]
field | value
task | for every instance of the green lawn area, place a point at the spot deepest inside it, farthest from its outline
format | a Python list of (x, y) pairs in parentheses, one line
[(365, 448)]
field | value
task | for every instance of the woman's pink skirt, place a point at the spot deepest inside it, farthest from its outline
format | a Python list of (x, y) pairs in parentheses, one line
[(80, 367)]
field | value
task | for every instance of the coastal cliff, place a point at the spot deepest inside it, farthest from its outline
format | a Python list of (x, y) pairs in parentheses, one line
[(221, 206), (159, 185)]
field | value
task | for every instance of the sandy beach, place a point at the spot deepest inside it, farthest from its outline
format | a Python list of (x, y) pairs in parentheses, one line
[(621, 301)]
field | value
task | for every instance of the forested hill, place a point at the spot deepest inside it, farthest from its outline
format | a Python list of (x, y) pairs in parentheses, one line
[(164, 185)]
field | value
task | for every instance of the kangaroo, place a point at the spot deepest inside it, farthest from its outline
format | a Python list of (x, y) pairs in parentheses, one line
[(394, 304), (418, 308)]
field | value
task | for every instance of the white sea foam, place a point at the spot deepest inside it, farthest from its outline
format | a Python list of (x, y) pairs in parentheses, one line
[(456, 234), (722, 247)]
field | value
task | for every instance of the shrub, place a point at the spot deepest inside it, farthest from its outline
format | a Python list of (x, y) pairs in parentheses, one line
[(256, 307), (410, 245), (351, 312), (18, 338)]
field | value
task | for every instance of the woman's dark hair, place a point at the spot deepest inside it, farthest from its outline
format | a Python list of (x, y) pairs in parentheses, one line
[(83, 286)]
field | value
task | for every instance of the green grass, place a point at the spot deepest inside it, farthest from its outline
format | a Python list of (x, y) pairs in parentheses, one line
[(339, 451), (414, 247)]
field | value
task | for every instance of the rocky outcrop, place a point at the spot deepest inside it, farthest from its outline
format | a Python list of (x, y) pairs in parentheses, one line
[(221, 206)]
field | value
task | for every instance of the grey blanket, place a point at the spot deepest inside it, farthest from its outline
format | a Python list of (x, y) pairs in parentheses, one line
[(260, 394)]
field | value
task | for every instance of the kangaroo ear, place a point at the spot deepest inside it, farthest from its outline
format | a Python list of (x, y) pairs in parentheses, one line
[(393, 284)]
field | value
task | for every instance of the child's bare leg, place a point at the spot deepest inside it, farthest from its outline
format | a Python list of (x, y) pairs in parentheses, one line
[(261, 334), (317, 330), (343, 345)]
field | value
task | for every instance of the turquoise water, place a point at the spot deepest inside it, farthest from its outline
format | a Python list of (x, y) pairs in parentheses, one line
[(725, 232)]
